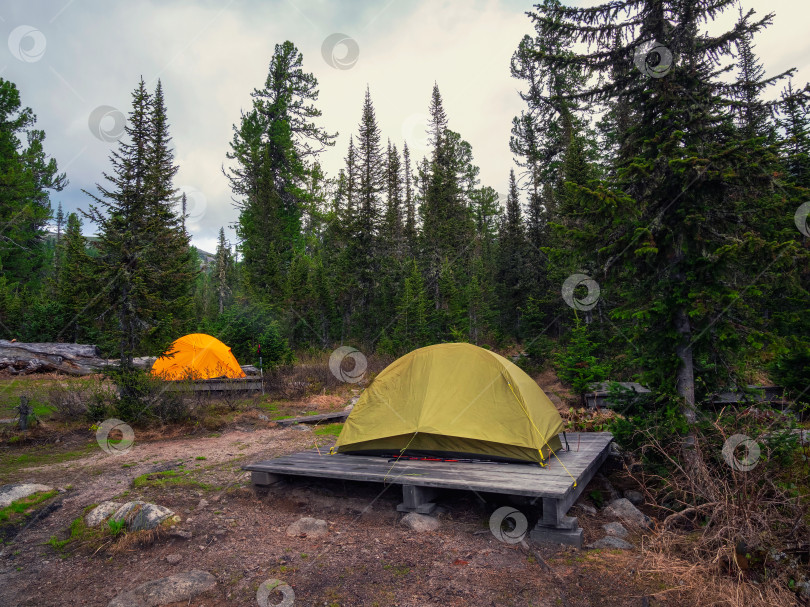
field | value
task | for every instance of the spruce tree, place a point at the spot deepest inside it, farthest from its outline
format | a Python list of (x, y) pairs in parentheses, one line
[(223, 271), (271, 149), (74, 284), (26, 174), (511, 261), (670, 230)]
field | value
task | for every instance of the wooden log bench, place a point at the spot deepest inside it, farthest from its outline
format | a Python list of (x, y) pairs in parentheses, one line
[(551, 487)]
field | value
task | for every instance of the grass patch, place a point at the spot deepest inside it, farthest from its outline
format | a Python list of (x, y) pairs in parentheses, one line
[(329, 430), (23, 505), (201, 457), (11, 462), (168, 477)]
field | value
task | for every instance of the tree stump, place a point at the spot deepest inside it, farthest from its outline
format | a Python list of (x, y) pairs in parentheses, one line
[(25, 412)]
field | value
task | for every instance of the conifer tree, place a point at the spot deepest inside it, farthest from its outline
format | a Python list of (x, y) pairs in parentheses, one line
[(271, 148), (670, 230), (26, 174), (511, 260), (74, 284), (223, 270)]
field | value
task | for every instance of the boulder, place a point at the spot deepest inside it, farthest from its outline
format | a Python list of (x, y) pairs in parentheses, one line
[(635, 497), (17, 491), (100, 513), (173, 589), (625, 511), (420, 522), (311, 527), (141, 516), (615, 529), (612, 542)]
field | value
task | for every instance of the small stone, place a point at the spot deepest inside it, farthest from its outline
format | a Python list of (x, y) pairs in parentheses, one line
[(587, 508), (186, 535), (173, 589), (635, 497), (627, 512), (302, 427), (202, 504), (612, 542), (100, 513), (615, 529), (420, 522), (308, 527), (173, 559), (262, 416)]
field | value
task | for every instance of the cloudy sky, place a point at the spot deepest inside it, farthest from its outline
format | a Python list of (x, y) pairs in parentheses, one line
[(71, 57)]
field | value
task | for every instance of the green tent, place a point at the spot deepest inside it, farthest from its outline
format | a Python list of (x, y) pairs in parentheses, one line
[(453, 400)]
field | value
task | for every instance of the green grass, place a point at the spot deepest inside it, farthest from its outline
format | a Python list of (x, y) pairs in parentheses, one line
[(200, 457), (168, 477), (329, 429), (116, 527), (11, 462), (23, 505)]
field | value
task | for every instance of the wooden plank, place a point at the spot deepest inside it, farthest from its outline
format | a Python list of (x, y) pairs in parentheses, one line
[(337, 416)]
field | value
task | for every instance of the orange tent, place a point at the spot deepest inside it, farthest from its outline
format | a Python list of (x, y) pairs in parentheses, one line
[(197, 356)]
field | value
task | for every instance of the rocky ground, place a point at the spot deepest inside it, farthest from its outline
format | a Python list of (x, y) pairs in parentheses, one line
[(230, 539)]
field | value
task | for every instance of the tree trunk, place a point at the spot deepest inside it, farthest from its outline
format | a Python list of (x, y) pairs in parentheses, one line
[(686, 372), (72, 359)]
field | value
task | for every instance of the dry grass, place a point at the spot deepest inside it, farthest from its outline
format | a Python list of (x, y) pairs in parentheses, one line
[(729, 536)]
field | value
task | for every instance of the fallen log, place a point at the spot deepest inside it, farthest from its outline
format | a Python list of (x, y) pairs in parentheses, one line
[(73, 359)]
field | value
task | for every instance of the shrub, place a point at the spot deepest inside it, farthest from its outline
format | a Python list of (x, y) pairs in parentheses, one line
[(245, 326), (576, 364)]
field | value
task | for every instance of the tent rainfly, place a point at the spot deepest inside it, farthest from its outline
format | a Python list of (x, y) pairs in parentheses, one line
[(197, 356), (453, 400)]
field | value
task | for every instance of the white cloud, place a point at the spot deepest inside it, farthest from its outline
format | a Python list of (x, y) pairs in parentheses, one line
[(211, 55)]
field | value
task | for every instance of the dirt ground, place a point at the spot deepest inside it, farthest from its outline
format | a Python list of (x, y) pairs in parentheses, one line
[(238, 533), (367, 558)]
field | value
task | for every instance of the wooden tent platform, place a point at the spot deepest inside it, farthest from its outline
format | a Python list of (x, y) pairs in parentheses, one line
[(238, 384), (551, 486)]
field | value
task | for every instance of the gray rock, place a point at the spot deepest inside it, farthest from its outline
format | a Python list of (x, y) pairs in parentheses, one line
[(615, 529), (173, 559), (420, 522), (804, 589), (628, 513), (149, 517), (262, 416), (635, 497), (202, 504), (311, 527), (612, 542), (17, 491), (185, 535), (172, 589), (587, 508), (141, 515), (101, 513), (301, 427)]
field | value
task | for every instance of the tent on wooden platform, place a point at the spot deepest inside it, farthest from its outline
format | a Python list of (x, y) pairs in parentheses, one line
[(453, 400), (197, 356)]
